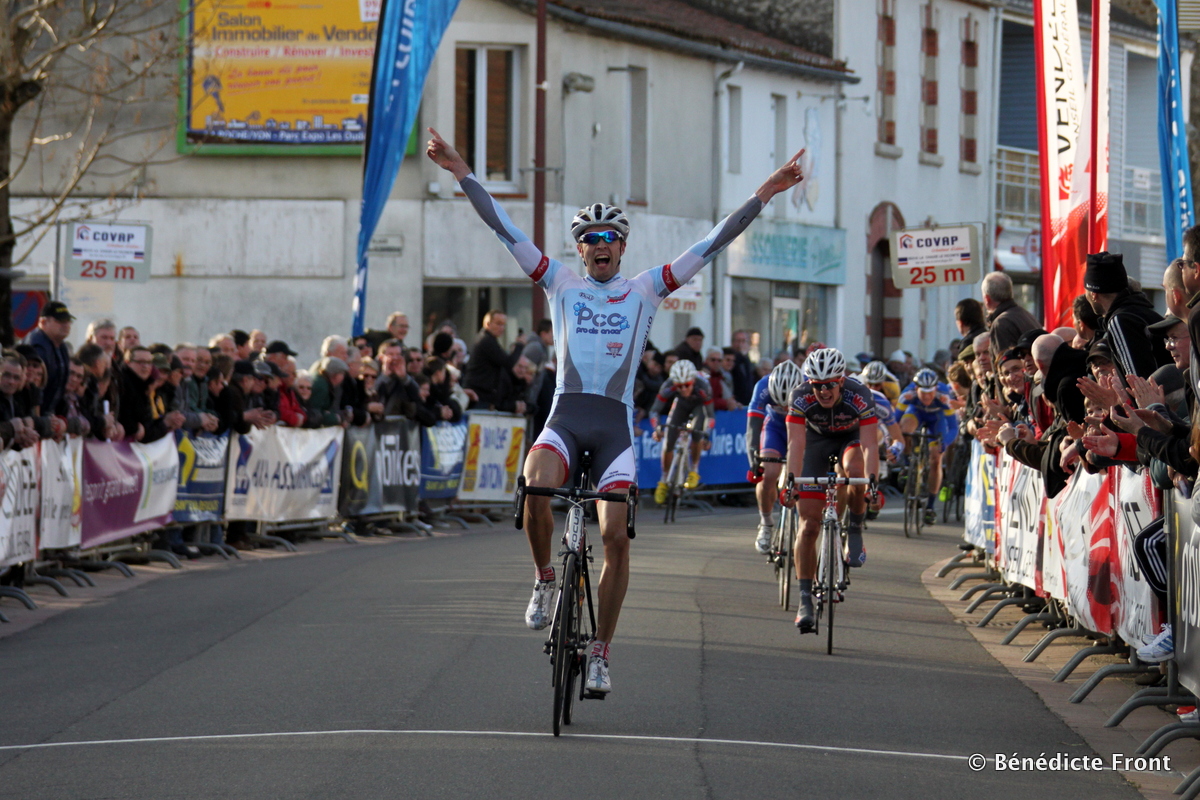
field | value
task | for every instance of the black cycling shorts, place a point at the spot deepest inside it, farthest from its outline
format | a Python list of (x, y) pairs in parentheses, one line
[(818, 449), (598, 424)]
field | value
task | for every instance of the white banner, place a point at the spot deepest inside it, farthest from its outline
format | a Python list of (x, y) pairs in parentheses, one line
[(283, 474), (495, 456), (1020, 518), (1138, 505), (60, 494), (19, 506), (1054, 579), (1085, 526), (160, 468)]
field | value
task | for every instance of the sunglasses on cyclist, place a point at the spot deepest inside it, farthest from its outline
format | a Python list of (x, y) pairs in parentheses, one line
[(595, 237), (819, 385)]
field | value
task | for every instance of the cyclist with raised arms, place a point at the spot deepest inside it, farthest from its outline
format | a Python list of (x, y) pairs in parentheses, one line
[(766, 437), (829, 415), (684, 395), (929, 407), (601, 322)]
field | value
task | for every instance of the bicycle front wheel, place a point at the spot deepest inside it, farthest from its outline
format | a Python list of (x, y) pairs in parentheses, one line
[(833, 556), (785, 559), (565, 637)]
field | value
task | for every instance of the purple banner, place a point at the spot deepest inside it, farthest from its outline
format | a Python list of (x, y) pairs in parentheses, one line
[(126, 488)]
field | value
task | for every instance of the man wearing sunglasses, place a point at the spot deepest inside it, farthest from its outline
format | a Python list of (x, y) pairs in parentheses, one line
[(601, 322), (830, 416)]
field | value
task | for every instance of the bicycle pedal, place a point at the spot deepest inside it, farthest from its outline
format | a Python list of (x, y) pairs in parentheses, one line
[(547, 648), (807, 628), (588, 694)]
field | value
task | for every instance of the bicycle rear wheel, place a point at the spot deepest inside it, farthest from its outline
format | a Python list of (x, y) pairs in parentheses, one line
[(921, 482), (565, 637)]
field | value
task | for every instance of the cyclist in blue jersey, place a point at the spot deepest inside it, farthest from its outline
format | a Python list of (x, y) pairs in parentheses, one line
[(930, 409), (601, 322), (766, 437), (891, 439), (830, 416)]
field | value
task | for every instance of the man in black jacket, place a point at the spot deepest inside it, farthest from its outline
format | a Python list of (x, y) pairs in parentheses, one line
[(1124, 315), (398, 394), (489, 363)]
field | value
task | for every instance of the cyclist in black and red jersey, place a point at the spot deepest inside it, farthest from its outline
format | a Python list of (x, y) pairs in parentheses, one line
[(829, 415)]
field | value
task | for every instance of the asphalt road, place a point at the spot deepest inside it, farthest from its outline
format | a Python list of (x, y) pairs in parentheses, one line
[(406, 670)]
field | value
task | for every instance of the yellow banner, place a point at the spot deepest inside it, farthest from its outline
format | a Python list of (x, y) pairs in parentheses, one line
[(268, 72)]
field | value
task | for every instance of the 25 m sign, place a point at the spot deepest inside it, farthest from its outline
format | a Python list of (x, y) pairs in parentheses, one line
[(117, 252), (924, 257)]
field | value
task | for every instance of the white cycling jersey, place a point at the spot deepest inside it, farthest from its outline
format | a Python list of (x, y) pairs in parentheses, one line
[(600, 329)]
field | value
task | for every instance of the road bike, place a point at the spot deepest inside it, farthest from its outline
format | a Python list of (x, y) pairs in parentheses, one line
[(833, 577), (570, 630), (681, 463), (957, 459), (783, 540), (916, 478)]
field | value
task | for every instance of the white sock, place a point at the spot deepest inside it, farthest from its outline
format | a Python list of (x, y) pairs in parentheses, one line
[(767, 519)]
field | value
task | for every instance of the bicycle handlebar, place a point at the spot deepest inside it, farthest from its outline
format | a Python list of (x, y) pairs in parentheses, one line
[(836, 481), (577, 495)]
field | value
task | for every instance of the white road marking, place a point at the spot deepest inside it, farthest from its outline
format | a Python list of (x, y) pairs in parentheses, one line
[(598, 736)]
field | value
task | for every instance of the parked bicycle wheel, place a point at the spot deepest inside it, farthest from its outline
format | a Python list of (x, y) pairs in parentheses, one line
[(566, 635)]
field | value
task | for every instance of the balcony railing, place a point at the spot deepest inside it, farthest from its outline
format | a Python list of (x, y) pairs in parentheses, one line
[(1018, 187), (1135, 195)]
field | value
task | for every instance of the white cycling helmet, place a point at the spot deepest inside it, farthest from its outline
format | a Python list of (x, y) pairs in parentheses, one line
[(683, 371), (926, 379), (783, 379), (599, 214), (877, 372), (825, 364)]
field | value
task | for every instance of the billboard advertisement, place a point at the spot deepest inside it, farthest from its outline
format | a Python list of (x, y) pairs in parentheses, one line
[(262, 73)]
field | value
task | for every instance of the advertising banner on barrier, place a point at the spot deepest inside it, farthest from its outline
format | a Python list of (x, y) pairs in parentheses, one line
[(19, 505), (1020, 522), (443, 450), (1138, 505), (201, 493), (1086, 526), (1186, 630), (495, 456), (281, 474), (381, 468), (126, 488), (979, 503), (60, 496), (725, 462), (1054, 581)]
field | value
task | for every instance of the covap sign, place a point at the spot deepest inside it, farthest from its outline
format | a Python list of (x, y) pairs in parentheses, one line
[(923, 257)]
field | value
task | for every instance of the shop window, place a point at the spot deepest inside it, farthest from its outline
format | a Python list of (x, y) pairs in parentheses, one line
[(486, 112)]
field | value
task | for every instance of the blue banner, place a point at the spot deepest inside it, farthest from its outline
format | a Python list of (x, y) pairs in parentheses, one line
[(1178, 214), (201, 493), (443, 452), (725, 462), (408, 36)]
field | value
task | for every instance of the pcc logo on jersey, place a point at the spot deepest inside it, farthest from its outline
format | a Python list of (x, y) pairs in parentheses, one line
[(589, 321)]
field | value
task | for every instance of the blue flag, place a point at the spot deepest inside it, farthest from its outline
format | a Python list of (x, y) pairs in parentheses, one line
[(408, 36), (1178, 215)]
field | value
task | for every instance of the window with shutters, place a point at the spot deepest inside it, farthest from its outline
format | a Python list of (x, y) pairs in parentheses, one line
[(969, 89), (885, 60), (929, 80), (486, 113)]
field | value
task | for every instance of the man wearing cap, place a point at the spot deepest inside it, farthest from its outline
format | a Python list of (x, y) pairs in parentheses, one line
[(689, 349), (1124, 315), (48, 339), (277, 353)]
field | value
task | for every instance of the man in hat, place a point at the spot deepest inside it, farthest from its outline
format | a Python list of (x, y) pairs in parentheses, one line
[(1124, 315), (689, 348), (48, 339), (278, 353)]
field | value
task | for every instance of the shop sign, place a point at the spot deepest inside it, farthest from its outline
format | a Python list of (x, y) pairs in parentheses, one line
[(789, 251)]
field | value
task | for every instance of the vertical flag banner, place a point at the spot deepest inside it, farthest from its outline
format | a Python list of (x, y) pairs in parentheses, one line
[(408, 36), (1061, 115), (1096, 166), (1178, 214)]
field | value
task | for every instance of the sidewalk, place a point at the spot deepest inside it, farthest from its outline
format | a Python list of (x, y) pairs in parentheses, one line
[(1086, 718)]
